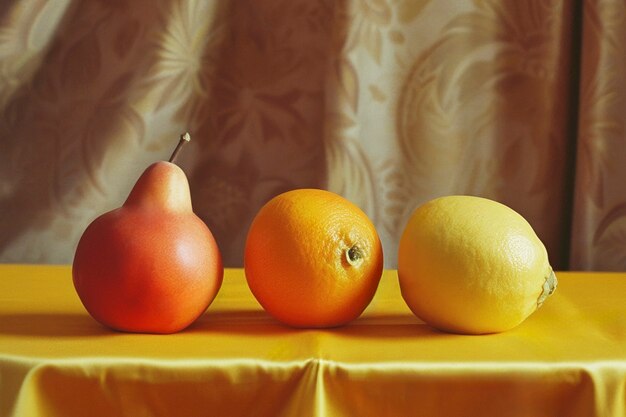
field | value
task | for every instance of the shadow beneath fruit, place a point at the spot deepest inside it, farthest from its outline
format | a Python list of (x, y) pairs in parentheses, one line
[(392, 329), (258, 322), (253, 322), (51, 325)]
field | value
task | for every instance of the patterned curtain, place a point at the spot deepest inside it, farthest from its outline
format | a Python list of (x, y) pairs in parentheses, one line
[(387, 102)]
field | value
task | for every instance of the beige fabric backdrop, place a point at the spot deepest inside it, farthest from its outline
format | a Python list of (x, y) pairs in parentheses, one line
[(387, 102)]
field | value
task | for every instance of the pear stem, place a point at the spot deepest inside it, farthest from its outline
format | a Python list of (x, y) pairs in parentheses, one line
[(184, 138)]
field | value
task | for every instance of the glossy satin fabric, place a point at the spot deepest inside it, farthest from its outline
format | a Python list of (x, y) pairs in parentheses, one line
[(568, 359)]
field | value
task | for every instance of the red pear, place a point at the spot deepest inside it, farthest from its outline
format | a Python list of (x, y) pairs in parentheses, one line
[(151, 265)]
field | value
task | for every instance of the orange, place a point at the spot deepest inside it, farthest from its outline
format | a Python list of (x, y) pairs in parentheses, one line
[(313, 259)]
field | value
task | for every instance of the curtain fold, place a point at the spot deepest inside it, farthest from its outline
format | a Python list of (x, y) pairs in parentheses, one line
[(387, 102), (599, 222)]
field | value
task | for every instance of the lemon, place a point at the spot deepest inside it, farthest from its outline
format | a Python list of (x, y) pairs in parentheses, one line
[(471, 265)]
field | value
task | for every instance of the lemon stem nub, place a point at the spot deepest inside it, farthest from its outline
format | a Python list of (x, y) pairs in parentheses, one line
[(549, 286), (354, 256)]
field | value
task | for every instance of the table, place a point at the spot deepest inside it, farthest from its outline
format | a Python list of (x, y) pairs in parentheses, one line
[(567, 359)]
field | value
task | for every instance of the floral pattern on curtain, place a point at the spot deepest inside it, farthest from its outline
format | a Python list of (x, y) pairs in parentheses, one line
[(387, 102)]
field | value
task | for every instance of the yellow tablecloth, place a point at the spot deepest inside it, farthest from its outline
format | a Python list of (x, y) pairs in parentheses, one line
[(568, 359)]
